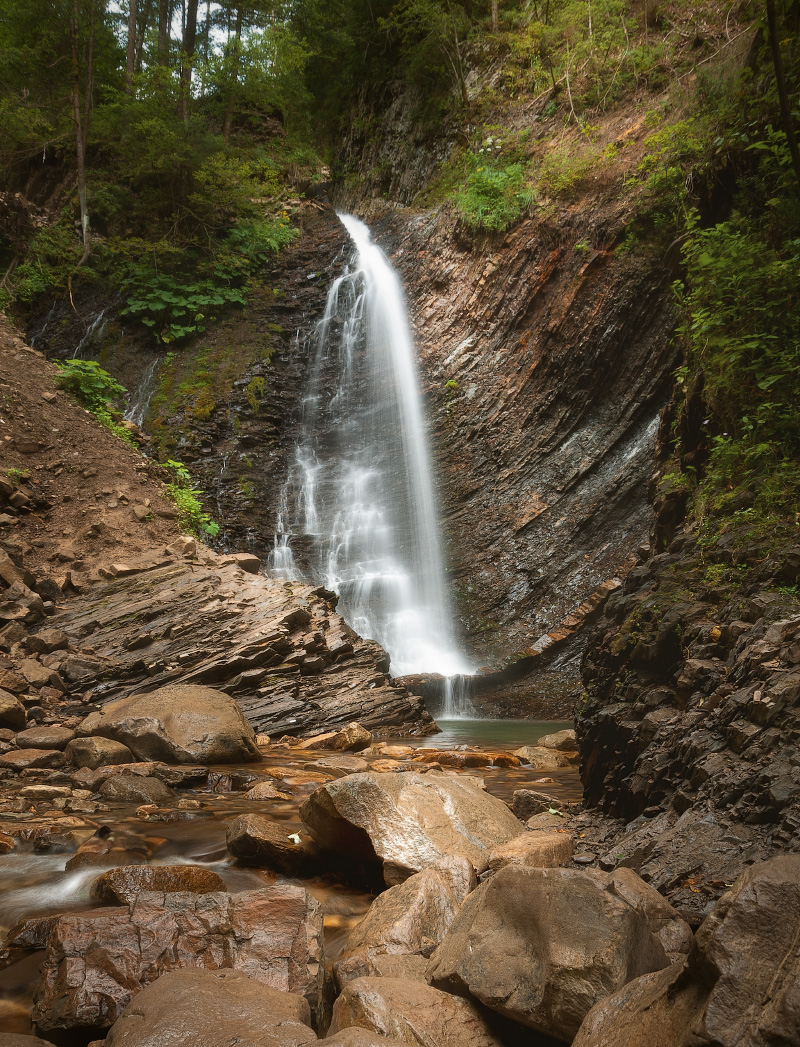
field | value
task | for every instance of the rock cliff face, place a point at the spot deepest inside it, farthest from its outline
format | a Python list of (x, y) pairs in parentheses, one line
[(689, 726), (545, 362)]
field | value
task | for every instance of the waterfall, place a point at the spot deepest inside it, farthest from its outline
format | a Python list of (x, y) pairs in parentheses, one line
[(140, 400), (360, 489)]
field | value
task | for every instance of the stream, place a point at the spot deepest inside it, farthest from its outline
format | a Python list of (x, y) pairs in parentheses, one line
[(35, 883)]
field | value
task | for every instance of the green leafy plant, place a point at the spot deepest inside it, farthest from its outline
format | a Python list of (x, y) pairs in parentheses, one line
[(191, 513), (493, 197), (97, 390)]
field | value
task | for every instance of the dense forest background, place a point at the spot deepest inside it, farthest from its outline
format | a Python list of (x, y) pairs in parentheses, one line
[(156, 149)]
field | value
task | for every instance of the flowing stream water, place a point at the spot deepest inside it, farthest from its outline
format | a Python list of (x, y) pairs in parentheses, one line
[(361, 489)]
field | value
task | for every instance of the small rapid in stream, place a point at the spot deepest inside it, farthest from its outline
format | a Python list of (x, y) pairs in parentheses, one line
[(361, 489)]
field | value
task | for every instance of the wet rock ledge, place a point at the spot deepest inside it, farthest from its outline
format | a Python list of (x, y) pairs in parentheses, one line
[(188, 615)]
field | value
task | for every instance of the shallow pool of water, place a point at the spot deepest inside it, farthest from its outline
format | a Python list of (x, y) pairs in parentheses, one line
[(492, 733)]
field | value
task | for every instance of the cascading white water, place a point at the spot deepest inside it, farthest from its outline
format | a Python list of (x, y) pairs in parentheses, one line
[(361, 486)]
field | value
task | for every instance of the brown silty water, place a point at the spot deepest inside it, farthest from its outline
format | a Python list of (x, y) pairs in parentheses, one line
[(34, 881)]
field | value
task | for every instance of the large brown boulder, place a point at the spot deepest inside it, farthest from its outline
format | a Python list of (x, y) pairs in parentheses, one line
[(407, 821), (413, 1013), (739, 986), (98, 960), (182, 723), (542, 946), (407, 920), (212, 1009)]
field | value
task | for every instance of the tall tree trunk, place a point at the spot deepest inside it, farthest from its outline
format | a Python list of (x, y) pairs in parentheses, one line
[(130, 57), (783, 94), (164, 17), (206, 35), (237, 40), (187, 56), (495, 15), (80, 149), (141, 33)]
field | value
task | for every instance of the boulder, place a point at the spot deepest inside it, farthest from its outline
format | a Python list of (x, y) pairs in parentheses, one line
[(181, 723), (651, 1011), (255, 839), (123, 885), (97, 752), (542, 946), (132, 788), (199, 1008), (534, 850), (564, 740), (12, 712), (739, 985), (45, 738), (98, 960), (409, 919), (407, 821), (543, 759), (413, 1013), (22, 759)]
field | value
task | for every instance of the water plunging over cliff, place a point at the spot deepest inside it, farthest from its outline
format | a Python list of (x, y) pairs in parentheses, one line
[(360, 491)]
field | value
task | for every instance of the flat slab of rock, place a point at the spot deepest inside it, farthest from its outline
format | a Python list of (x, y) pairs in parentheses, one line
[(45, 738), (22, 759), (97, 961), (542, 946), (181, 723), (351, 738), (133, 788), (407, 920), (413, 1013), (407, 821), (122, 886), (212, 1009)]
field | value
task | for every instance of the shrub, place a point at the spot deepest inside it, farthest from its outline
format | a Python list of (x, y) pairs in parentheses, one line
[(187, 501), (493, 197)]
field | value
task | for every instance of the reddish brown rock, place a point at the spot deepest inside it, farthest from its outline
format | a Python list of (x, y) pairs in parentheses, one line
[(408, 920), (50, 737), (12, 711), (255, 839), (122, 886), (534, 850), (407, 821), (180, 723), (22, 759), (542, 946), (98, 960), (212, 1009), (412, 1012), (97, 752)]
